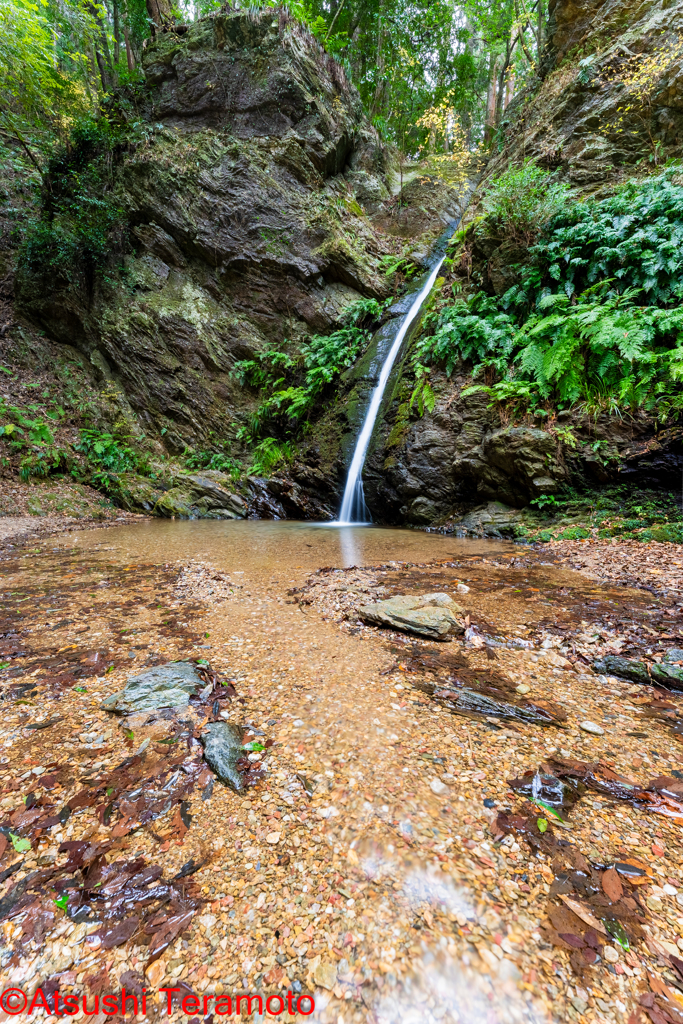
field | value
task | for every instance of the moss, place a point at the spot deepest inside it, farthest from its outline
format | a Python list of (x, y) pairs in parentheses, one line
[(400, 428)]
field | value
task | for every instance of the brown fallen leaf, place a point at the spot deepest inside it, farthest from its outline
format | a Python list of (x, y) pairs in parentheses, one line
[(118, 933), (584, 913), (179, 828), (572, 940), (611, 885)]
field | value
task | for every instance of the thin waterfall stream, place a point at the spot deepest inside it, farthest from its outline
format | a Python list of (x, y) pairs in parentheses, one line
[(353, 508)]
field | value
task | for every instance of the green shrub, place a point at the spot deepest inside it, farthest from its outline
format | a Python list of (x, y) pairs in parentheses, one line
[(268, 454), (108, 455), (213, 460), (608, 351), (81, 225), (522, 199), (634, 239), (307, 375), (617, 344), (45, 460)]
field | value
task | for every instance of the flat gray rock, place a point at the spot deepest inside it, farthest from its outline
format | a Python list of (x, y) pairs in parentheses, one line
[(435, 616), (167, 686), (222, 750)]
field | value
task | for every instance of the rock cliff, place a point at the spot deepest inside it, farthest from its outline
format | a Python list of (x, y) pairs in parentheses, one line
[(243, 207), (588, 118)]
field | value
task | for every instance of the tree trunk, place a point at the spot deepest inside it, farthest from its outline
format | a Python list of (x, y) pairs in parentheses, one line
[(102, 55), (159, 12), (379, 67), (491, 100), (117, 33), (129, 51), (501, 81)]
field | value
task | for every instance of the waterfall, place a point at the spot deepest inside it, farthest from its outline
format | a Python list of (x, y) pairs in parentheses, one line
[(353, 508)]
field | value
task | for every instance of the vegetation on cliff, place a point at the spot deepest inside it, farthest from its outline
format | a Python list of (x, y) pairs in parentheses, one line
[(595, 317)]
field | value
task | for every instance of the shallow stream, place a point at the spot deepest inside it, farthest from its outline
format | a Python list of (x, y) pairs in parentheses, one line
[(366, 866)]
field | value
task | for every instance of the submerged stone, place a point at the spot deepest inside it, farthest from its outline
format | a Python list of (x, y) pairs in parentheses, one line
[(665, 673), (429, 615), (167, 686), (222, 750), (624, 668), (668, 675)]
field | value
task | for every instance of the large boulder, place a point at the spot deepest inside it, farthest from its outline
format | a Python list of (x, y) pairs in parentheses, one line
[(434, 616)]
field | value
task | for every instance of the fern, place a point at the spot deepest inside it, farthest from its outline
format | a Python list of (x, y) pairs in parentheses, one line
[(635, 238), (596, 317)]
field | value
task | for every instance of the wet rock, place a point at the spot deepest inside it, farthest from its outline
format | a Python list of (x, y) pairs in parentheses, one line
[(210, 493), (592, 728), (262, 504), (167, 686), (472, 703), (667, 673), (438, 787), (133, 492), (670, 676), (430, 615), (624, 668), (222, 743), (491, 520)]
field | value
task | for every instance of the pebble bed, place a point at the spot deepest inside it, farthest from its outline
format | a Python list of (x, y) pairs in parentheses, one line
[(365, 868)]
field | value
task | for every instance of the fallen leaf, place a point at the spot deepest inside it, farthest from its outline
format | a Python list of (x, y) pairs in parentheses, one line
[(584, 913), (611, 884), (118, 933)]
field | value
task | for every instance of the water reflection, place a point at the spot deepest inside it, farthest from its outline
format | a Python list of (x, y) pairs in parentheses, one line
[(350, 546), (267, 546)]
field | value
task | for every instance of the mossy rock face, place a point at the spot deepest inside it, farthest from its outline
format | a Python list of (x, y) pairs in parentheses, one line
[(133, 492), (178, 503), (241, 234)]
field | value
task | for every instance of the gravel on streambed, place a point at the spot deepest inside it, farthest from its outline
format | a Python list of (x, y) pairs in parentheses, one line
[(368, 866)]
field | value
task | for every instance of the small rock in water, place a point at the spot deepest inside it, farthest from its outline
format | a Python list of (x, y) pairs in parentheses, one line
[(429, 615), (592, 728), (167, 686), (668, 674), (438, 787), (523, 688), (462, 588), (325, 975), (222, 750), (610, 954)]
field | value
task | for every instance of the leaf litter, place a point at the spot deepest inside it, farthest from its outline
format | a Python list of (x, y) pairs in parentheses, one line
[(572, 894)]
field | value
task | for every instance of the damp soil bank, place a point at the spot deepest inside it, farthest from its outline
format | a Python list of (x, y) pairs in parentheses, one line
[(391, 855)]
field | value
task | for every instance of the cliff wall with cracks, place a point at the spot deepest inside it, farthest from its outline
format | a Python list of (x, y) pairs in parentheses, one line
[(244, 224)]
